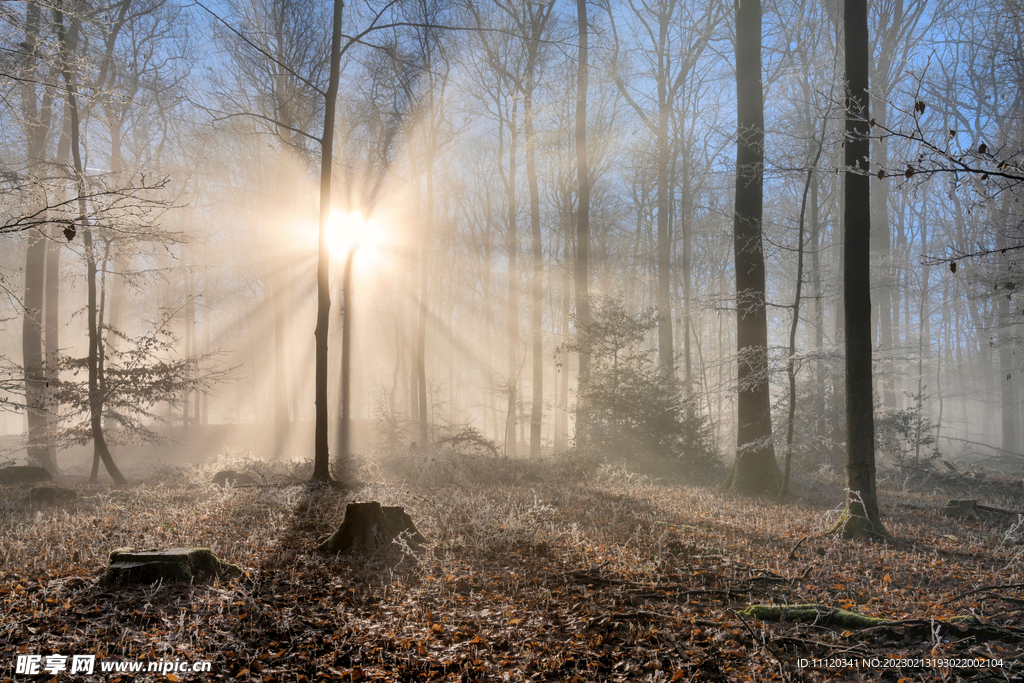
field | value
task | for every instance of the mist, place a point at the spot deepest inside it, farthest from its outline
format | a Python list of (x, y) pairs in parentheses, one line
[(456, 197)]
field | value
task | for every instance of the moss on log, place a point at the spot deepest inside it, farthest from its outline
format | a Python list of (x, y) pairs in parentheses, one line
[(821, 615)]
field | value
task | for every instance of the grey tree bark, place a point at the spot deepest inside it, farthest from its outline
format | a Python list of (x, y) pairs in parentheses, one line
[(37, 116), (581, 279), (862, 518), (755, 469)]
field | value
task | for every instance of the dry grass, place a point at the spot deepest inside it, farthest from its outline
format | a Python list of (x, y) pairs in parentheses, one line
[(535, 571)]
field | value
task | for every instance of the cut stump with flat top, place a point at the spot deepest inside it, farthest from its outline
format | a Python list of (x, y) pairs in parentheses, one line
[(371, 526), (133, 567), (17, 475), (960, 508)]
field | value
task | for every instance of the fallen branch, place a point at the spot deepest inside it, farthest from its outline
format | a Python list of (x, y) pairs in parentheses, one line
[(821, 615), (965, 627), (982, 590), (764, 642), (735, 595), (792, 553)]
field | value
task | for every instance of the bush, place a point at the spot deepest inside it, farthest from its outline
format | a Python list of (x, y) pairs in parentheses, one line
[(907, 437), (627, 409)]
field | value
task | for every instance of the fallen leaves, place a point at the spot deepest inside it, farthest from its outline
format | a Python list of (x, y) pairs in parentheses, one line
[(648, 597)]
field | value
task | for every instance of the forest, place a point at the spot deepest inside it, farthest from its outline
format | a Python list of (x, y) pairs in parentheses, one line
[(511, 340)]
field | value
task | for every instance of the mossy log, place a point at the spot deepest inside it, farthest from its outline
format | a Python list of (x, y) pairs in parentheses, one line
[(371, 526), (821, 615), (132, 567)]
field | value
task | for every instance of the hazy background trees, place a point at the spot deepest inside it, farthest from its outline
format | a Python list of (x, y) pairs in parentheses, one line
[(498, 169)]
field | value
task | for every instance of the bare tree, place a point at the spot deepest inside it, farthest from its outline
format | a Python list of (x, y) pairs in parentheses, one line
[(668, 41), (862, 518), (755, 469)]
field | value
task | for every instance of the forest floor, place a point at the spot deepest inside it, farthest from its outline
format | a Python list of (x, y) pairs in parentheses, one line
[(531, 573)]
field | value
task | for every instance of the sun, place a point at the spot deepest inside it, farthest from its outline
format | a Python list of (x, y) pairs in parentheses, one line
[(348, 230)]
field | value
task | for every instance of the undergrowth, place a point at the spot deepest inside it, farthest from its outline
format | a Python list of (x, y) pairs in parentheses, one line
[(534, 570)]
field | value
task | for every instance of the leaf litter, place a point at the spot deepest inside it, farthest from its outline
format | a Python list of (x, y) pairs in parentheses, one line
[(610, 578)]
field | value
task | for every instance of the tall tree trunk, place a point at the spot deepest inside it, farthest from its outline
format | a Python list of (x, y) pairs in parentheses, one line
[(32, 351), (881, 246), (413, 285), (562, 404), (94, 360), (818, 316), (536, 314), (36, 127), (344, 419), (51, 324), (278, 286), (117, 286), (666, 349), (489, 407), (421, 328), (512, 245), (686, 223), (924, 331), (581, 264), (791, 360), (755, 469), (189, 310), (862, 517), (53, 280), (1004, 330), (321, 453)]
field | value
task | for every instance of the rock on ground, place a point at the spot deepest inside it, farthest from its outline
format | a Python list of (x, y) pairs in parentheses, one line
[(23, 474), (132, 567)]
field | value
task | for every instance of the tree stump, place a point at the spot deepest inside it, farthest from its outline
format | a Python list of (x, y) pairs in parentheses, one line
[(960, 509), (132, 567), (370, 526), (23, 474)]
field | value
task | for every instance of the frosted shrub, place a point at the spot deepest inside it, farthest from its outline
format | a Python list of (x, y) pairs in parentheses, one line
[(1015, 534)]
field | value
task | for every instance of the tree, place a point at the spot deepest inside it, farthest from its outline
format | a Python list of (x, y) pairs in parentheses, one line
[(277, 61), (529, 22), (37, 113), (862, 518), (435, 65), (321, 455), (95, 359), (897, 23), (755, 469), (501, 84), (676, 41), (581, 264), (634, 412)]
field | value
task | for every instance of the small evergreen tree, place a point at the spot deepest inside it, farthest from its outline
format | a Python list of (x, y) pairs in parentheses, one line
[(627, 408), (907, 437)]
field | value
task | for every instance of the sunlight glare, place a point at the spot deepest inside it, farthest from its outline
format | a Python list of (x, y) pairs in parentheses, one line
[(348, 229)]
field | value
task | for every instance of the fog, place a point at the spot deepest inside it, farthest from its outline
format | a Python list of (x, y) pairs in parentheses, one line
[(170, 155)]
